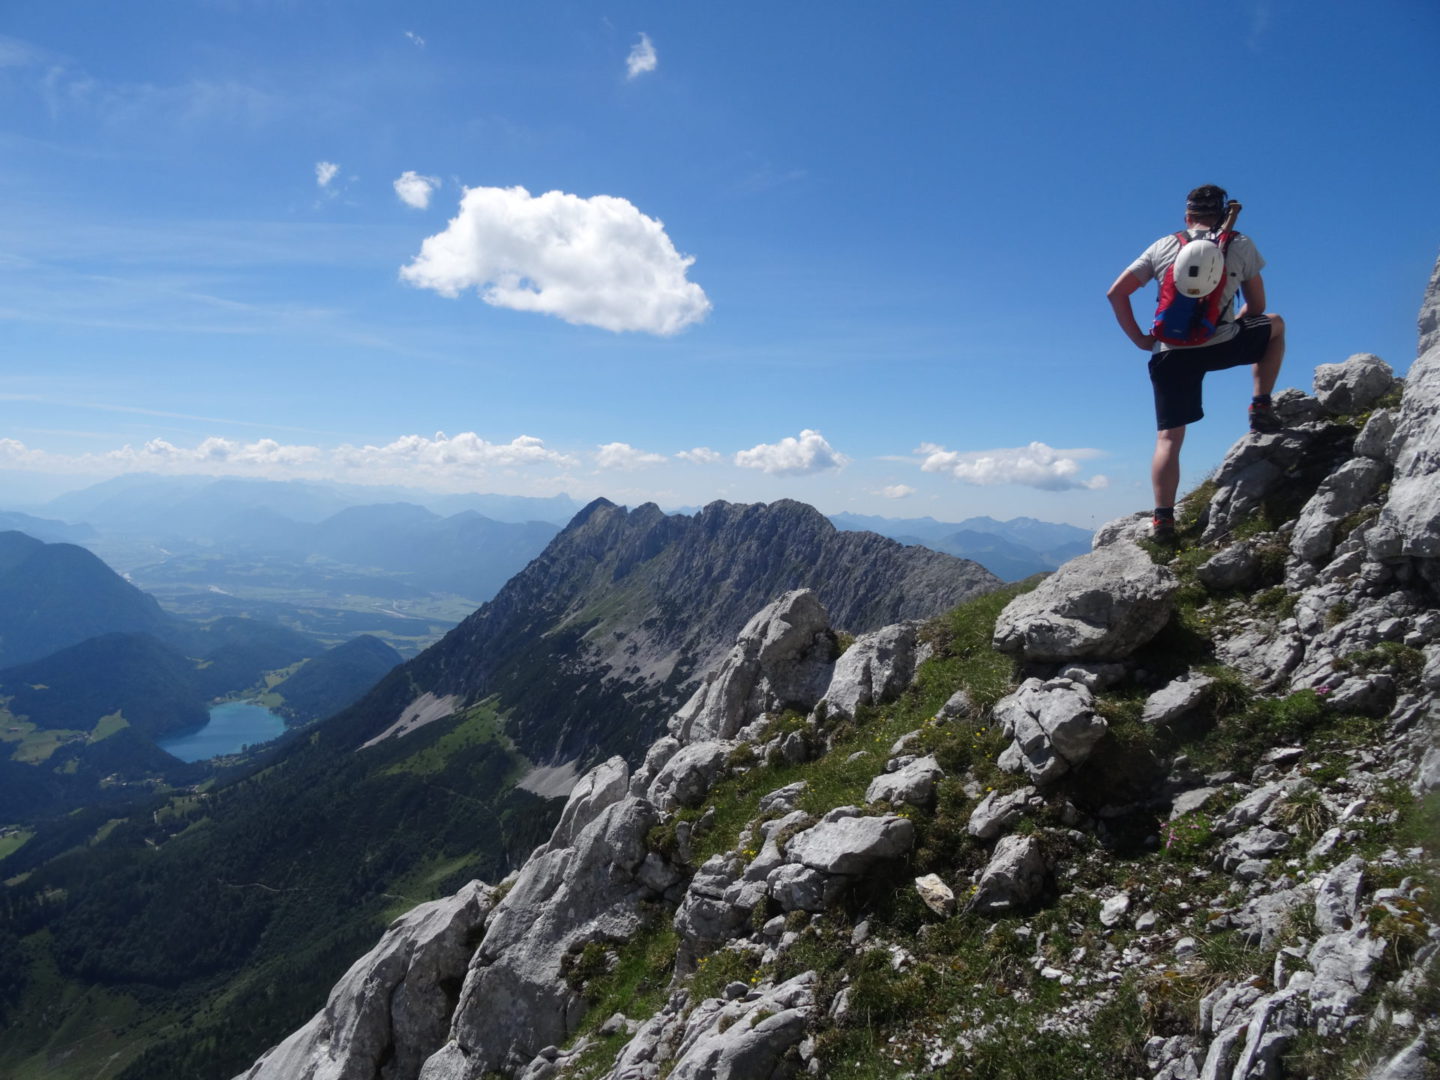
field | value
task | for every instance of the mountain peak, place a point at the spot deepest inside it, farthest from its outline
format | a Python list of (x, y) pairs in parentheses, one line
[(607, 630)]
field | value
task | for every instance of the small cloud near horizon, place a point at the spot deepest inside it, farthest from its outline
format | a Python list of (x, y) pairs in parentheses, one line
[(594, 261), (1036, 465), (418, 457), (791, 456), (619, 455), (642, 58), (897, 491), (700, 455)]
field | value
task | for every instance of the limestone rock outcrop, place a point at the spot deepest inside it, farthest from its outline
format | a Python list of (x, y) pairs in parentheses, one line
[(392, 1009), (785, 656), (1053, 727), (515, 999), (1100, 606), (875, 668)]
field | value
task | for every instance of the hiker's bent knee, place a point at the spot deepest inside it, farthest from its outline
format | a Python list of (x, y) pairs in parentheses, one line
[(1170, 437), (1277, 325)]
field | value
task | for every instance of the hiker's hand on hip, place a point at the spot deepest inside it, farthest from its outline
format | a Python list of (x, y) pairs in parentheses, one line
[(1146, 342)]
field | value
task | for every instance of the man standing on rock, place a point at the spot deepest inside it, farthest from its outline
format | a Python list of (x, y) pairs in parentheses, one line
[(1176, 371)]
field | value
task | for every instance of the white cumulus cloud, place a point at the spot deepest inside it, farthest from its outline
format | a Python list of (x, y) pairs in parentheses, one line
[(593, 262), (642, 58), (441, 459), (700, 455), (325, 171), (619, 455), (810, 453), (1035, 465), (414, 189), (897, 491), (464, 450)]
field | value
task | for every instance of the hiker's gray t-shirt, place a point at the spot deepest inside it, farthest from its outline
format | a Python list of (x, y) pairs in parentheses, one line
[(1242, 262)]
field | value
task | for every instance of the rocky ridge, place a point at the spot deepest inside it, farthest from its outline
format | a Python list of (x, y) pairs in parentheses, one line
[(1180, 822), (597, 641)]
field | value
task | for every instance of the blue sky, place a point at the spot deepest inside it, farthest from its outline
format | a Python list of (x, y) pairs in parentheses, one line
[(854, 254)]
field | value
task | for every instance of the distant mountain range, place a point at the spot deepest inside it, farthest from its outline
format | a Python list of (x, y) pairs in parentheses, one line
[(335, 560), (46, 529), (1012, 550), (194, 506)]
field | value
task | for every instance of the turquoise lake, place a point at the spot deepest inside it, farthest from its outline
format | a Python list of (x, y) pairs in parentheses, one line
[(233, 726)]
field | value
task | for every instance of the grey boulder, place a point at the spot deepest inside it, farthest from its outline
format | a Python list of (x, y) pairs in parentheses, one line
[(851, 845), (1053, 727), (913, 783), (748, 1038), (1341, 494), (875, 669), (1353, 386), (1015, 877), (1176, 699), (1102, 606), (996, 813), (782, 658)]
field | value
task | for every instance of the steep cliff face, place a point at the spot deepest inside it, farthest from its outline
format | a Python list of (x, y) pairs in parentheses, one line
[(601, 637), (1183, 826)]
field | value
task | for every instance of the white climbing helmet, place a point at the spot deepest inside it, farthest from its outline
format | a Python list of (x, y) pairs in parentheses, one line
[(1199, 268)]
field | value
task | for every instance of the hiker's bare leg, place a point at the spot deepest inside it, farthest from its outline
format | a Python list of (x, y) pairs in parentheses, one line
[(1165, 466), (1267, 369)]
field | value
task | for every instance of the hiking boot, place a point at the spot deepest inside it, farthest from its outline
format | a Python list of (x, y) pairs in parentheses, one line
[(1162, 531), (1263, 420)]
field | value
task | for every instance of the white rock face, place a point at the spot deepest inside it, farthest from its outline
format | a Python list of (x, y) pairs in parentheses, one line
[(1355, 385), (996, 813), (1429, 321), (1409, 525), (1014, 878), (873, 670), (391, 1005), (515, 1000), (913, 783), (851, 845), (1102, 606), (1176, 699), (1342, 493), (784, 656), (1053, 725), (746, 1039)]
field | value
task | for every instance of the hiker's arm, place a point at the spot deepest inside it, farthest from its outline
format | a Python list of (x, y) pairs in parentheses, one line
[(1253, 290), (1119, 296)]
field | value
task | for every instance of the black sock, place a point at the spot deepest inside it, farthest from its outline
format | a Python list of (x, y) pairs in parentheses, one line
[(1165, 512), (1260, 399)]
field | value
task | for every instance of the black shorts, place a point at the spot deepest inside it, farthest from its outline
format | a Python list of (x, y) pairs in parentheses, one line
[(1176, 374)]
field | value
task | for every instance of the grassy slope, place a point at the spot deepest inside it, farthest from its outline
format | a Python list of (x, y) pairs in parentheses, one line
[(973, 981)]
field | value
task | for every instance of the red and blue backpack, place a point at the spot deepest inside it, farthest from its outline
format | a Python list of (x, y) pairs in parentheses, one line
[(1187, 320)]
